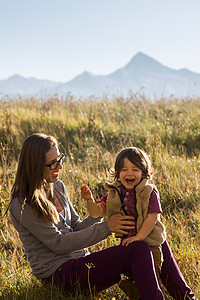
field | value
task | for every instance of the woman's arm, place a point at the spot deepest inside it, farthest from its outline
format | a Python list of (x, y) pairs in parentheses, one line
[(34, 228)]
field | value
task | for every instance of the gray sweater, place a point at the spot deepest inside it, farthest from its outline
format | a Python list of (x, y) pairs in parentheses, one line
[(48, 245)]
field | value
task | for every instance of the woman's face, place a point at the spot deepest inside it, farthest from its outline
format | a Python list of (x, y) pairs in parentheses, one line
[(52, 155), (130, 175)]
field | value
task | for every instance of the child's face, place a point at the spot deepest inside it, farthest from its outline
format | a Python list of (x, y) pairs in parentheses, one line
[(130, 175)]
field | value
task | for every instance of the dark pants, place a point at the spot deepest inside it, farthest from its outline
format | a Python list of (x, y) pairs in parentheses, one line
[(103, 268), (172, 277)]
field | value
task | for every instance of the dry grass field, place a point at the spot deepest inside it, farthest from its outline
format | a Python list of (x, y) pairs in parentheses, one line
[(91, 133)]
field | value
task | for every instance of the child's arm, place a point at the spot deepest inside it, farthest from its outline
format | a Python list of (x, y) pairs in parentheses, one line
[(95, 210), (144, 231)]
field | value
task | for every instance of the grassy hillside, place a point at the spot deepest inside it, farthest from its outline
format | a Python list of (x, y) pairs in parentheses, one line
[(91, 133)]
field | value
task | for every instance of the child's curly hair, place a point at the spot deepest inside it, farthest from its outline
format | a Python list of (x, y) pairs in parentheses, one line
[(137, 157)]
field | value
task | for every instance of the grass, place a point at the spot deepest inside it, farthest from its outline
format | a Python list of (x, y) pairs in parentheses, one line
[(91, 133)]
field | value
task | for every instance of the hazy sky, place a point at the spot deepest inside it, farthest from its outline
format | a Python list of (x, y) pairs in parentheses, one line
[(60, 39)]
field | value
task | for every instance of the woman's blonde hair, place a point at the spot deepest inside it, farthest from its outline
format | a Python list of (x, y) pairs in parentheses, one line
[(29, 184)]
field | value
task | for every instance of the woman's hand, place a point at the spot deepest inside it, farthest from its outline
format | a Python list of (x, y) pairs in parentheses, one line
[(121, 224)]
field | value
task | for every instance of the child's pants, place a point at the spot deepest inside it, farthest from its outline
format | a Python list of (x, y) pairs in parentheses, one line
[(172, 278)]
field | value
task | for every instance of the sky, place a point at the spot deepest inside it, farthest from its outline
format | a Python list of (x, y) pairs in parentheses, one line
[(60, 39)]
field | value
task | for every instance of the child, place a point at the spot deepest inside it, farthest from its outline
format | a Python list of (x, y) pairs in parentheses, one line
[(132, 194)]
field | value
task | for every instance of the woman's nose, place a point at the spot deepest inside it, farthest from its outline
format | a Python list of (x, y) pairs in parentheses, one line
[(60, 166)]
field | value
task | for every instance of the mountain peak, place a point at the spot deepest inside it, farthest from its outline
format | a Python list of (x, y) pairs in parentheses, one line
[(141, 55), (141, 58), (87, 74), (143, 63)]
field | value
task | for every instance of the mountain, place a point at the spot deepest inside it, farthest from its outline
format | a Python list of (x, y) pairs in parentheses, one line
[(18, 85), (143, 75)]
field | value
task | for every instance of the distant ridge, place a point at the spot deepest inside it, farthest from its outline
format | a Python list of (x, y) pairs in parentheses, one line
[(143, 75)]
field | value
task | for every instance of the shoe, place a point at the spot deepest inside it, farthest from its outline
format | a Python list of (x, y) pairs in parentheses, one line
[(129, 288)]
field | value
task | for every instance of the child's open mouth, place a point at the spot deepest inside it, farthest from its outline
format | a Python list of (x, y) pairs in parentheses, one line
[(129, 180)]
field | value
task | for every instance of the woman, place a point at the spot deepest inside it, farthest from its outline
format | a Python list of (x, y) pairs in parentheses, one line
[(55, 238)]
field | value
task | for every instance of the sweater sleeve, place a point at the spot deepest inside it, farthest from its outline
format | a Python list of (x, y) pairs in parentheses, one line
[(33, 229)]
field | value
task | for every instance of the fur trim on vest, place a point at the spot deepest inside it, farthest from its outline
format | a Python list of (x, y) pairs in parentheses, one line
[(113, 202)]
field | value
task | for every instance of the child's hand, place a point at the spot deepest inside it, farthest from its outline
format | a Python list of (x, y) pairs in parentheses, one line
[(129, 240), (86, 194)]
